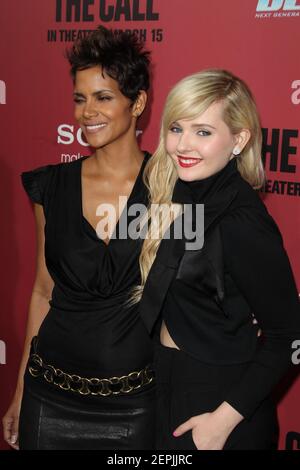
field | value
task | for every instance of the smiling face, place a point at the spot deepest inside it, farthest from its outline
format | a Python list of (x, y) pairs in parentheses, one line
[(104, 114), (203, 146)]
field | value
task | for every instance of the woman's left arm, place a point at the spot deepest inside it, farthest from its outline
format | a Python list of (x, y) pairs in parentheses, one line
[(258, 263)]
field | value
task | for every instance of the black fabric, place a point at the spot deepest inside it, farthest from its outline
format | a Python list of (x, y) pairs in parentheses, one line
[(207, 297), (171, 250), (115, 424), (187, 387), (89, 329)]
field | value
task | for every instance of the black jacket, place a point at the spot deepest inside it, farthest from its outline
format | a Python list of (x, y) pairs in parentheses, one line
[(208, 297)]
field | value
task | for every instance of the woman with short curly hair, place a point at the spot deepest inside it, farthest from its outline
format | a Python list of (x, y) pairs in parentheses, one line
[(88, 381)]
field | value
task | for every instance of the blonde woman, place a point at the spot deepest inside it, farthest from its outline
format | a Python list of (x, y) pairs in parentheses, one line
[(214, 373)]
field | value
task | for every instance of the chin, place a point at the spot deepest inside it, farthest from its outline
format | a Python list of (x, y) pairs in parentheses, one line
[(189, 176), (96, 144)]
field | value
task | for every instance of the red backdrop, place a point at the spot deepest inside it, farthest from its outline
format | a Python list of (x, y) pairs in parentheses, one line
[(256, 39)]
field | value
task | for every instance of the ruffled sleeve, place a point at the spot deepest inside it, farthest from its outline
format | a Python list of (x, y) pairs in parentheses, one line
[(36, 183)]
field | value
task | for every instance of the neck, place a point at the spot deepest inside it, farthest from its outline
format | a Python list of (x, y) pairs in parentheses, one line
[(200, 191), (120, 157)]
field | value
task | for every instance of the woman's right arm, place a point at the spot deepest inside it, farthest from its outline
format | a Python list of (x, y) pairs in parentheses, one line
[(38, 309)]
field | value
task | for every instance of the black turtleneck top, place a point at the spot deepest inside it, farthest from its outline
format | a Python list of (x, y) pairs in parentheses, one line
[(208, 297)]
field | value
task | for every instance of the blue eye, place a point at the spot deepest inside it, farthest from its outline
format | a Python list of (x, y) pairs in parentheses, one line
[(203, 133), (175, 129)]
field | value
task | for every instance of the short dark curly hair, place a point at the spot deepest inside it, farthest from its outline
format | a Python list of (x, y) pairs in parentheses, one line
[(120, 54)]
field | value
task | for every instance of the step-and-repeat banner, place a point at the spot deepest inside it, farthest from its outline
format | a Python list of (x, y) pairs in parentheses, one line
[(256, 39)]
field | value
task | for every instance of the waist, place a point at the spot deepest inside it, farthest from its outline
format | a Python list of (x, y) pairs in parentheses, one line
[(177, 366), (100, 342), (68, 300), (82, 385)]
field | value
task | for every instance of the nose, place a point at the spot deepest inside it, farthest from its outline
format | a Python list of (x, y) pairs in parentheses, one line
[(89, 110), (184, 144)]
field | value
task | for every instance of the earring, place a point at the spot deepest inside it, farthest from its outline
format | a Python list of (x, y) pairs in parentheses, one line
[(236, 152)]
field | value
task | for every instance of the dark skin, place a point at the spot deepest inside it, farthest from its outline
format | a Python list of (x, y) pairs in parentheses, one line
[(105, 187), (111, 171), (108, 120)]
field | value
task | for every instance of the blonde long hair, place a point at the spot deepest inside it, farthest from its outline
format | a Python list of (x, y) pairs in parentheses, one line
[(188, 99)]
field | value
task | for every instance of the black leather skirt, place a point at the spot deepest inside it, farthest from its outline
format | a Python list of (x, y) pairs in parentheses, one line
[(116, 423)]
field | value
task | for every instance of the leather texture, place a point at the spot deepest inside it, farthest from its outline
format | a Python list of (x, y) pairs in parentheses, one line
[(46, 425)]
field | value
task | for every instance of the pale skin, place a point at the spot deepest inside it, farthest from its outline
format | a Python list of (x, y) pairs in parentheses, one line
[(110, 172), (209, 142)]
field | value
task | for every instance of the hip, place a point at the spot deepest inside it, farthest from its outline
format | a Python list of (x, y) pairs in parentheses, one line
[(50, 424), (187, 387), (54, 382)]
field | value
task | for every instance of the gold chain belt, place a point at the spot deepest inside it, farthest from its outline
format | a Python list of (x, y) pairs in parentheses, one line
[(89, 386)]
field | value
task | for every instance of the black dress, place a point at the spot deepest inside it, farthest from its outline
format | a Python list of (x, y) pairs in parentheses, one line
[(207, 298), (89, 330)]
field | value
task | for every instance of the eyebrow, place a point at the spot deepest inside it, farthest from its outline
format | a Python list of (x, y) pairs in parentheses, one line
[(202, 124), (76, 93)]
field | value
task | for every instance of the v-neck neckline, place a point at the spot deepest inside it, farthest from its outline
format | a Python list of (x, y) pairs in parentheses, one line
[(84, 219)]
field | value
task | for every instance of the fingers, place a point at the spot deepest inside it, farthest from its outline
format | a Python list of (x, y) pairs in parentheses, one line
[(10, 431), (15, 430), (183, 428), (15, 446), (7, 425), (14, 439)]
